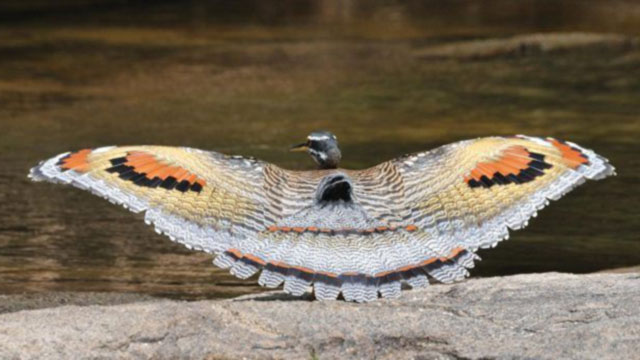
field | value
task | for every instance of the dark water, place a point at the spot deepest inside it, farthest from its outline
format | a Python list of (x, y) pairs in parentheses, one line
[(254, 77)]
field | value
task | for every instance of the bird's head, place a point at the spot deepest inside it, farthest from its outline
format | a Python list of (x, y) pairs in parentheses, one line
[(323, 148)]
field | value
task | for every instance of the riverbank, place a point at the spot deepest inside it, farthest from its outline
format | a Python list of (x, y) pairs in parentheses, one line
[(539, 316)]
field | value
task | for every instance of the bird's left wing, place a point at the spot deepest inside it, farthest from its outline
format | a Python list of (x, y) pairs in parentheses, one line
[(204, 200)]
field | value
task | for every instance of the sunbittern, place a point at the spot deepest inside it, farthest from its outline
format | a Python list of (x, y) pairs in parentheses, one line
[(356, 232)]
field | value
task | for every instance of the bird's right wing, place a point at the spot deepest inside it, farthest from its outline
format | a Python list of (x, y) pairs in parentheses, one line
[(470, 193)]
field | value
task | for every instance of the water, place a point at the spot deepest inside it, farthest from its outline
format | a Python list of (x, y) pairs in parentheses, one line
[(253, 80)]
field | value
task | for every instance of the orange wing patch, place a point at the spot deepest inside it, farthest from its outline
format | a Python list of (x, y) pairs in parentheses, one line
[(572, 156), (76, 161), (144, 169), (516, 165)]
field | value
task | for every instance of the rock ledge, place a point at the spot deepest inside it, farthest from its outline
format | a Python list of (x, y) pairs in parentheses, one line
[(541, 316)]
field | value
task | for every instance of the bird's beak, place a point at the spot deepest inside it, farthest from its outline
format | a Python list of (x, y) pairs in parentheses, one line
[(300, 147)]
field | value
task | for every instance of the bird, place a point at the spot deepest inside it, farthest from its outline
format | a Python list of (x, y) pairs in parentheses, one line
[(356, 235)]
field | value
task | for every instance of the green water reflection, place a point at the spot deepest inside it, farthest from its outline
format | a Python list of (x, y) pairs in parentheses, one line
[(254, 78)]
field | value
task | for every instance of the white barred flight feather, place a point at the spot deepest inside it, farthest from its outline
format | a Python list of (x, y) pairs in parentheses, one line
[(359, 233)]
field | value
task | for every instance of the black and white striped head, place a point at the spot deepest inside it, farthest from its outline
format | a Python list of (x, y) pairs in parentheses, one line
[(323, 148)]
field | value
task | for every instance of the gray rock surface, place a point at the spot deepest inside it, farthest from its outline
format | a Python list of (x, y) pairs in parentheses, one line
[(522, 45), (539, 316), (32, 301)]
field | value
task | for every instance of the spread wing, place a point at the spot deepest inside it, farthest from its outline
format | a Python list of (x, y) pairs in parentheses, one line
[(204, 200), (419, 215), (467, 195), (471, 192)]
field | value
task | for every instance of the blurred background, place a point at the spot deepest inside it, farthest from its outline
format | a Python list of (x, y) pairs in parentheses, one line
[(253, 77)]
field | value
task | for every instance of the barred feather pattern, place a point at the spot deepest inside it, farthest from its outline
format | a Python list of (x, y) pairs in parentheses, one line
[(412, 220)]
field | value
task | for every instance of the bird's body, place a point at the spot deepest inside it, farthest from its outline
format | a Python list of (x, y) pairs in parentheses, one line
[(359, 233)]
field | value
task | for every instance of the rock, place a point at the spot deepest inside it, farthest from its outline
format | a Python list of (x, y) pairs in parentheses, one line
[(630, 269), (12, 303), (522, 45), (540, 316)]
